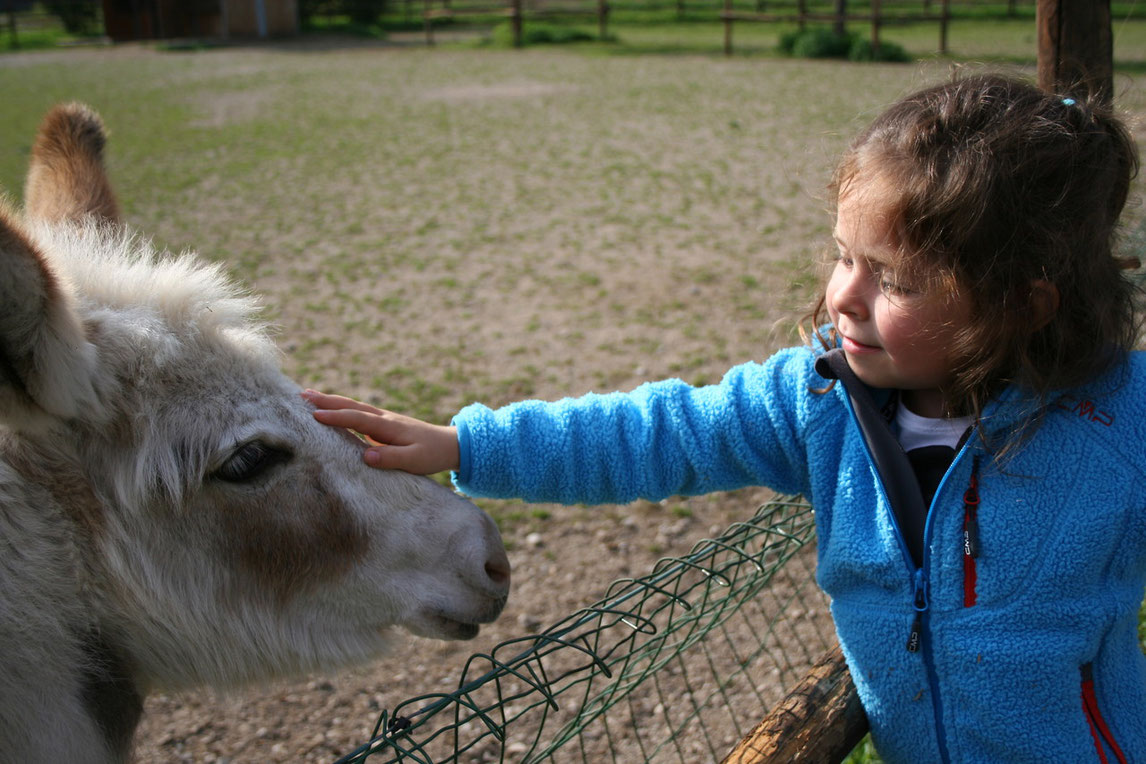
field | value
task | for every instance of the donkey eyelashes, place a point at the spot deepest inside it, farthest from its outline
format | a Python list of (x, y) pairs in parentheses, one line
[(250, 460)]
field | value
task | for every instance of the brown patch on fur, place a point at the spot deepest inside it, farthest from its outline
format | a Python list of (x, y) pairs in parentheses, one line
[(110, 694), (66, 177), (67, 488), (290, 555)]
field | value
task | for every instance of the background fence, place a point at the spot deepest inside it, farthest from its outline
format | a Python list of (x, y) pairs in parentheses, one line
[(24, 23)]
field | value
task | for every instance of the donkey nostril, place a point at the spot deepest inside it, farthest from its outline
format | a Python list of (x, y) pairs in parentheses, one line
[(498, 571)]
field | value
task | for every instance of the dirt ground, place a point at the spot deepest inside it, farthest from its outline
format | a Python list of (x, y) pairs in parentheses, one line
[(570, 240), (430, 228)]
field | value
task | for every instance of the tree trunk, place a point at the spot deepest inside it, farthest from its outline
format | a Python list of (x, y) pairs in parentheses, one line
[(1076, 47)]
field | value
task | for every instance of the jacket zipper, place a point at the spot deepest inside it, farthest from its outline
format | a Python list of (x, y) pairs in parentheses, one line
[(921, 602), (918, 639), (1098, 729), (922, 599)]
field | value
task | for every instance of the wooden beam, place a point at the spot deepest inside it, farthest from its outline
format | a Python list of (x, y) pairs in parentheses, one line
[(12, 31), (726, 17), (944, 19), (1075, 47), (819, 722)]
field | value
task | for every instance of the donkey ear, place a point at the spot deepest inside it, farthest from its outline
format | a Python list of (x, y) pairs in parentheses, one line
[(47, 364), (66, 179)]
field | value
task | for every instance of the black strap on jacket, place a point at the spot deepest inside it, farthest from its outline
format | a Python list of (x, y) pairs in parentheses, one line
[(895, 471)]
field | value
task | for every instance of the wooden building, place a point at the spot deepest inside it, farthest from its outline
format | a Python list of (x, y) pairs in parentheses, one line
[(219, 19)]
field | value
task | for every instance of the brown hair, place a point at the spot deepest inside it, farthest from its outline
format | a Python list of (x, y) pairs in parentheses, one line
[(1001, 185)]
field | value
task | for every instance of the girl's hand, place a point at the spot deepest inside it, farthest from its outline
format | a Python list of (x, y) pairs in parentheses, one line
[(397, 442)]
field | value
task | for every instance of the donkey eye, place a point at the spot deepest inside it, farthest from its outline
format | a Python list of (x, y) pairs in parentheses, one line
[(249, 461)]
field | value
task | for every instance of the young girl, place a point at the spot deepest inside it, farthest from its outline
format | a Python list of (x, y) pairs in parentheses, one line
[(966, 421)]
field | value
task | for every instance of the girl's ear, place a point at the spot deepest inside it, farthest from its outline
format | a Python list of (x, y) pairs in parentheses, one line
[(1044, 303)]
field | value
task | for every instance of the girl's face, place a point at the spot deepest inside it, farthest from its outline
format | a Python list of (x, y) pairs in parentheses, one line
[(894, 335)]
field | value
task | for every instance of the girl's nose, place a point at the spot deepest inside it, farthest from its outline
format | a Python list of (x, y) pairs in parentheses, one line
[(848, 296)]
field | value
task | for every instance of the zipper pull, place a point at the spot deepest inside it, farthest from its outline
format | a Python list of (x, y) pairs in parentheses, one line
[(919, 602), (971, 535), (916, 635), (920, 598)]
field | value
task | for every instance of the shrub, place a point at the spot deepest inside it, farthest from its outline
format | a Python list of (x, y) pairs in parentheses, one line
[(540, 34), (821, 42), (78, 16), (861, 50), (818, 43), (364, 12)]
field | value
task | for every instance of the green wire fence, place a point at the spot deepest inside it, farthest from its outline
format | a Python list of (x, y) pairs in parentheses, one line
[(675, 666)]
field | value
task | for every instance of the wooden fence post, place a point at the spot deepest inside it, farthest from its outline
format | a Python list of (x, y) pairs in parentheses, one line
[(1076, 47), (819, 722), (515, 22), (944, 19), (728, 27), (12, 28), (839, 25), (875, 19)]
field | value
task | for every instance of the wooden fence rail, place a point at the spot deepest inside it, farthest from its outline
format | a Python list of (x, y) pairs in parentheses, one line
[(875, 18), (819, 722), (516, 12)]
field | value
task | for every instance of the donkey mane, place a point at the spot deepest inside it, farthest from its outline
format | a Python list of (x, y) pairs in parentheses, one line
[(120, 268), (148, 304)]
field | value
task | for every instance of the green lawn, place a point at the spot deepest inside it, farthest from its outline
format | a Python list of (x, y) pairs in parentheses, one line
[(435, 226)]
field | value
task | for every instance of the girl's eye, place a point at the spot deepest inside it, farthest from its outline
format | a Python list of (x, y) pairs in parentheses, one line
[(895, 289), (888, 287), (249, 461)]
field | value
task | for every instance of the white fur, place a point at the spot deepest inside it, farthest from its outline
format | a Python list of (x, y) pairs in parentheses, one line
[(128, 384)]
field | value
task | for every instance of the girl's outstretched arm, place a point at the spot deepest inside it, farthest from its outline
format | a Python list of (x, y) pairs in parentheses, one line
[(396, 442)]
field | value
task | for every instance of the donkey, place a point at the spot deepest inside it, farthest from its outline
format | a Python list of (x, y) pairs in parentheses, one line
[(171, 514)]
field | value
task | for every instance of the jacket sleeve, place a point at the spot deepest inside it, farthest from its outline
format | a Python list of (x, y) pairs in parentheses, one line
[(661, 439)]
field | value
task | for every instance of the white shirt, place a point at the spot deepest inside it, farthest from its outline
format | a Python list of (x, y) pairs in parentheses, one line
[(916, 431)]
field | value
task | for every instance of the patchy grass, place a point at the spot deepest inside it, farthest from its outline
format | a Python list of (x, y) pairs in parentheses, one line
[(434, 227)]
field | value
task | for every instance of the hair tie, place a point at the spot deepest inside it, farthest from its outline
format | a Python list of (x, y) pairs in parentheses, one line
[(1069, 101)]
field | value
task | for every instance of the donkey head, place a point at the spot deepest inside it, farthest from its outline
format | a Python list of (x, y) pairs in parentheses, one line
[(215, 532)]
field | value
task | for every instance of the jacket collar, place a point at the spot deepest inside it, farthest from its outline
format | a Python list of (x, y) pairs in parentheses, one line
[(1011, 409)]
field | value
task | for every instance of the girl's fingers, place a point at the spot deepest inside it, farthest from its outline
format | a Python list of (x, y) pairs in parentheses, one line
[(395, 441), (391, 458), (337, 402), (376, 425), (412, 458)]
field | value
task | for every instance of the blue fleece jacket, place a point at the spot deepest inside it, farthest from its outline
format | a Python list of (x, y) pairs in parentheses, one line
[(1027, 652)]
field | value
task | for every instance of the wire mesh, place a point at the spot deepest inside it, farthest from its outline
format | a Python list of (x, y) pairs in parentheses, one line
[(674, 666)]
